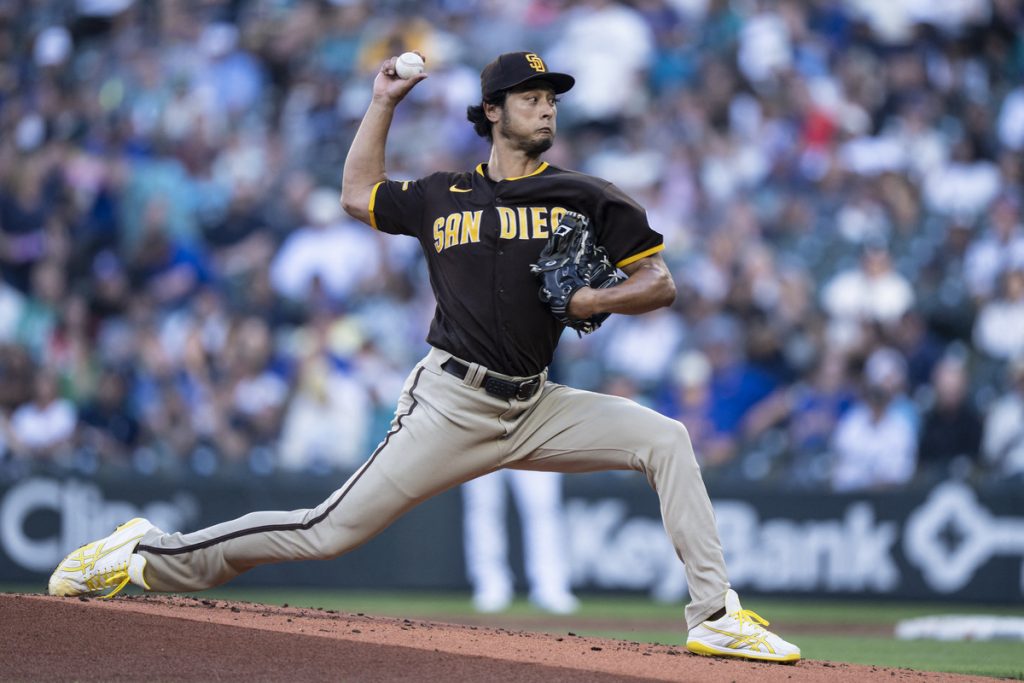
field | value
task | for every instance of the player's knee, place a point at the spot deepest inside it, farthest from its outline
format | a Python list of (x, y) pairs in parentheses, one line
[(672, 441), (342, 538), (336, 547), (671, 435)]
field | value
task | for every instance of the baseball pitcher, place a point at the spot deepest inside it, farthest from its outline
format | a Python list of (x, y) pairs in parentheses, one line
[(517, 249)]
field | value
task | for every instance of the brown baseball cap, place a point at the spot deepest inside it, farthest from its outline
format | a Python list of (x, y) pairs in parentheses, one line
[(515, 68)]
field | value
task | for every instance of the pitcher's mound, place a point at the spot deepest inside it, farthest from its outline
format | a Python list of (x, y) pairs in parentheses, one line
[(161, 638)]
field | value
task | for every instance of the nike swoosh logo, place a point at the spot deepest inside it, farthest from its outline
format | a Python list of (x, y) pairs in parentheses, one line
[(458, 189)]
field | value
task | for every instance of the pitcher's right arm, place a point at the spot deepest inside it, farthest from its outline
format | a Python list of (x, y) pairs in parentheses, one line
[(364, 165)]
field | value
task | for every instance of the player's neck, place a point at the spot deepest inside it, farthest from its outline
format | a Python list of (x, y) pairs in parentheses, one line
[(508, 163)]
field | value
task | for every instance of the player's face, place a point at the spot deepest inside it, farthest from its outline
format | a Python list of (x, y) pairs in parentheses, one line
[(528, 120)]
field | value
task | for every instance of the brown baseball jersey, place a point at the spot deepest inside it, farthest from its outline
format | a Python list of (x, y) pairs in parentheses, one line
[(480, 237)]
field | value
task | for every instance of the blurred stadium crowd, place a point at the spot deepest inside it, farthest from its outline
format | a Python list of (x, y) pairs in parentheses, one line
[(839, 184)]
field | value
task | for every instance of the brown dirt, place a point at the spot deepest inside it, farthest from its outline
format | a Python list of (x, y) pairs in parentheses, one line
[(164, 638), (552, 623)]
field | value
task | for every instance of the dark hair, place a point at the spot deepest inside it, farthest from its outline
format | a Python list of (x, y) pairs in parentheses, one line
[(475, 114)]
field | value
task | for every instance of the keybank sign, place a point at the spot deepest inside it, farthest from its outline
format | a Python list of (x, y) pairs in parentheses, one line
[(73, 512), (932, 545), (947, 541), (852, 553)]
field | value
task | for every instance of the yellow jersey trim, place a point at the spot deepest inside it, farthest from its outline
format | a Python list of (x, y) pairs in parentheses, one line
[(643, 254), (540, 169), (373, 201)]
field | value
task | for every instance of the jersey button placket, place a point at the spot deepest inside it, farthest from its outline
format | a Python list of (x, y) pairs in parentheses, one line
[(506, 327)]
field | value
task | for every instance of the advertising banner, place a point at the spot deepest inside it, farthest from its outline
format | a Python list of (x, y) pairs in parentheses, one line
[(951, 541), (947, 542)]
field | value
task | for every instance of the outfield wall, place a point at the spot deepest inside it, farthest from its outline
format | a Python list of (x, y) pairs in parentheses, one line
[(950, 541)]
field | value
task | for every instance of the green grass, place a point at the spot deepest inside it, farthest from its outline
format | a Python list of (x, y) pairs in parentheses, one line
[(993, 658), (868, 612), (988, 658), (658, 623)]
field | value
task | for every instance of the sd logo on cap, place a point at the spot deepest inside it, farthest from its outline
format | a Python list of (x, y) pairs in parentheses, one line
[(516, 68)]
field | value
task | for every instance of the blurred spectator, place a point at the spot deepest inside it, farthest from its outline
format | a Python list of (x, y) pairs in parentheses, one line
[(919, 345), (875, 442), (43, 429), (16, 377), (645, 346), (736, 384), (231, 76), (111, 289), (39, 316), (258, 387), (603, 75), (106, 425), (764, 46), (291, 197), (1003, 433), (690, 404), (27, 203), (871, 292), (951, 427), (12, 306), (69, 349), (999, 328), (331, 255), (1001, 249), (259, 298), (171, 408), (167, 269), (1011, 120), (965, 185), (240, 241), (807, 414), (327, 421)]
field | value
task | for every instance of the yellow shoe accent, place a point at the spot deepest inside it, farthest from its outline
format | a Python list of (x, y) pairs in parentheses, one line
[(111, 578), (699, 648), (106, 563), (741, 633), (757, 639)]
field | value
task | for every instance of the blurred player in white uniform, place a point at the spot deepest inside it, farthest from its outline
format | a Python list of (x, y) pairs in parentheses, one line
[(538, 497)]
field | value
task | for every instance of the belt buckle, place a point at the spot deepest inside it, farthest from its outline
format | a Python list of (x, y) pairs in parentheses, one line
[(495, 386), (527, 389)]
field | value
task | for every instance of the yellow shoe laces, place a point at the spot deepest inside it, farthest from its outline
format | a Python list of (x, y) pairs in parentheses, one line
[(124, 582), (105, 579), (746, 616)]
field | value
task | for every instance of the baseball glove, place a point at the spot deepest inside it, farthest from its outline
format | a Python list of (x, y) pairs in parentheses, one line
[(569, 261)]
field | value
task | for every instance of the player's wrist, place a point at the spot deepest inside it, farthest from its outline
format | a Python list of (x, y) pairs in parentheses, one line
[(384, 102), (584, 304)]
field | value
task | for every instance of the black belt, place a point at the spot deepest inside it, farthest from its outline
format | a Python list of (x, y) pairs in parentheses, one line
[(496, 386)]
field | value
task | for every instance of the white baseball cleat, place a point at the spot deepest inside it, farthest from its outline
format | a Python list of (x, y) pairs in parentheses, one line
[(742, 634), (492, 600), (555, 602), (110, 562)]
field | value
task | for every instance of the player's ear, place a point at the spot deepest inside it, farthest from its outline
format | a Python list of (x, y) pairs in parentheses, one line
[(492, 112)]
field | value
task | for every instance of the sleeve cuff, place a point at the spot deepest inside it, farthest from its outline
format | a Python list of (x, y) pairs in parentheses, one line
[(624, 262), (373, 202)]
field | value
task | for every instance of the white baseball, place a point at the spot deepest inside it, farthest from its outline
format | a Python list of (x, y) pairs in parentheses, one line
[(408, 65)]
